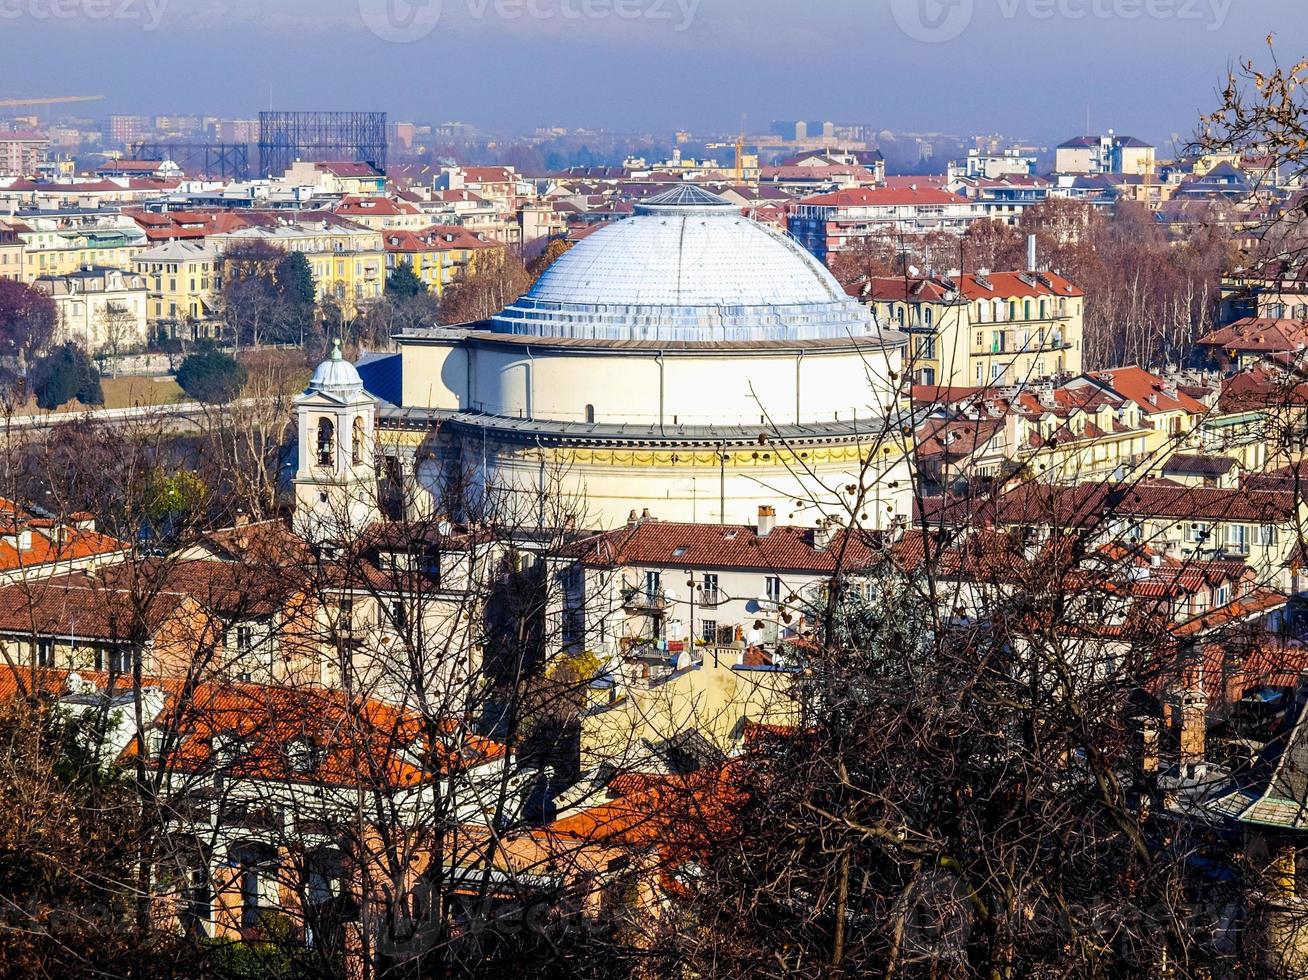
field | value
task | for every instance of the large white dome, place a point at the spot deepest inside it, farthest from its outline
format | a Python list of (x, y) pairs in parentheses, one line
[(687, 266)]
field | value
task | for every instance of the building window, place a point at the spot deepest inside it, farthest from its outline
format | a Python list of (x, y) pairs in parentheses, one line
[(45, 656), (326, 442), (399, 615), (590, 414), (710, 595), (708, 630), (772, 587), (653, 586)]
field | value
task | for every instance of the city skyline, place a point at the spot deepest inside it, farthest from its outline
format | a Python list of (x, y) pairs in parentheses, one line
[(512, 65)]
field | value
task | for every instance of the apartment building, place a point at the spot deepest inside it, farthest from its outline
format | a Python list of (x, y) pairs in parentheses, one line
[(12, 248), (381, 213), (183, 281), (58, 242), (348, 260), (1259, 528), (438, 255), (100, 310), (1118, 424), (1107, 154), (835, 222), (992, 328), (21, 152)]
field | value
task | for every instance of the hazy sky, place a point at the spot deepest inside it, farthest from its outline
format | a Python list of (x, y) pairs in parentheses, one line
[(1022, 67)]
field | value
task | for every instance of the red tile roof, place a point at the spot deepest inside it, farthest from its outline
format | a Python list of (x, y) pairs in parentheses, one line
[(732, 546), (1149, 391), (348, 168), (356, 742), (1259, 334), (362, 206), (489, 175), (75, 610), (437, 238), (1002, 285), (1088, 504), (885, 197), (51, 541)]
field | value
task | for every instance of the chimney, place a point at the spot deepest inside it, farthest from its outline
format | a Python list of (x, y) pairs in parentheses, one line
[(1031, 253), (1149, 746), (822, 536), (1194, 720), (645, 515), (632, 520), (767, 520)]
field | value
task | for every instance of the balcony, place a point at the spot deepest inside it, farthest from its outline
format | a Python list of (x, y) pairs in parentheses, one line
[(1013, 345), (713, 598), (638, 599)]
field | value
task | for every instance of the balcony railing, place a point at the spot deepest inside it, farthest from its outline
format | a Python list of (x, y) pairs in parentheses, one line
[(636, 598)]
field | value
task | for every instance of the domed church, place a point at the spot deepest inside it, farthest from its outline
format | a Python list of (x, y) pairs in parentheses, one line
[(686, 361)]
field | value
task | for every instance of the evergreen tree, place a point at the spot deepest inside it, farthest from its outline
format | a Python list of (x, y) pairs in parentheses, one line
[(211, 376), (294, 280), (403, 283), (64, 374)]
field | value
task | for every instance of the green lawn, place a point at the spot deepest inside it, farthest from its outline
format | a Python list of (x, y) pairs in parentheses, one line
[(125, 392)]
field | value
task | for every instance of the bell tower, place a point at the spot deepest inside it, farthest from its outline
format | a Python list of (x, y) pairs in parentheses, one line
[(336, 477)]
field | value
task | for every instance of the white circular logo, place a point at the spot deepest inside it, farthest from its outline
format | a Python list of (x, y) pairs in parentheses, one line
[(933, 21), (937, 917), (401, 21)]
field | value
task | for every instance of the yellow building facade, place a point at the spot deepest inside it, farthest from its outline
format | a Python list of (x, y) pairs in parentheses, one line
[(183, 282), (439, 255), (1000, 328)]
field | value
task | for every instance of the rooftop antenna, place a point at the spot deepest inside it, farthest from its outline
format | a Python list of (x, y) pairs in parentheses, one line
[(740, 152)]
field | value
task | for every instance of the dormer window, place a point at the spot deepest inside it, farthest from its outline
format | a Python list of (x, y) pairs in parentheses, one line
[(302, 755), (227, 748)]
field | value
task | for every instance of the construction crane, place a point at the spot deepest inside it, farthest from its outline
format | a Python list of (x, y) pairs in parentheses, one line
[(53, 100)]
